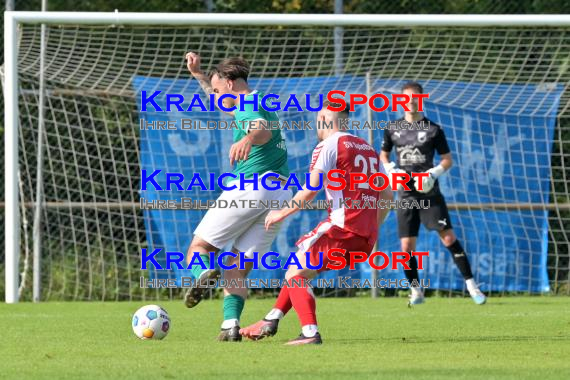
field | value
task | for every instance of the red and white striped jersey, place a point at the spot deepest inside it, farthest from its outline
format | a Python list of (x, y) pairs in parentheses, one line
[(353, 155)]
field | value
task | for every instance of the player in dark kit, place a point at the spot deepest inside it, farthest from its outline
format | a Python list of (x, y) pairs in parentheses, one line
[(415, 150)]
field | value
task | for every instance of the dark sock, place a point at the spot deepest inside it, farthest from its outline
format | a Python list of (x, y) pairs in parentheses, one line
[(412, 273), (460, 259)]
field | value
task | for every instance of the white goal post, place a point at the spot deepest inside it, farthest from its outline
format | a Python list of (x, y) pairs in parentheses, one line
[(12, 20)]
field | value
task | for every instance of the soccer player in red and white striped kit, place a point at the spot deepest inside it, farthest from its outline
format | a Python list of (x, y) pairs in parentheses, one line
[(350, 229)]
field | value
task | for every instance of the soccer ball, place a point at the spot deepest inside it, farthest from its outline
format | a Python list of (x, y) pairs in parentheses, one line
[(151, 322)]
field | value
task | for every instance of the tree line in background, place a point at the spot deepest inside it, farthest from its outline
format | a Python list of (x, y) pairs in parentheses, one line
[(307, 6)]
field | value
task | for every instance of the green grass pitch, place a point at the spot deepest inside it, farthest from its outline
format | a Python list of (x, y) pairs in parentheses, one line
[(447, 338)]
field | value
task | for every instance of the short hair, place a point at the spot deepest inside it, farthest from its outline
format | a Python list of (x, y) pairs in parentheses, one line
[(345, 111), (415, 86), (231, 68)]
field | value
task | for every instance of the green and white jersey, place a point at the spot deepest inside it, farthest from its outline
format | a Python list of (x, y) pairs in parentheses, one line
[(269, 157)]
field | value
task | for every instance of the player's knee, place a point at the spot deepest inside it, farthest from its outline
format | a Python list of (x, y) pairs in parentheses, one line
[(447, 237), (292, 272), (200, 245), (407, 246), (289, 274)]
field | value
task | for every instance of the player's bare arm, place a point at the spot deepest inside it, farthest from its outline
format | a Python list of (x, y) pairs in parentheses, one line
[(303, 195), (390, 167), (382, 213), (258, 135), (193, 65), (259, 132), (384, 157), (446, 161)]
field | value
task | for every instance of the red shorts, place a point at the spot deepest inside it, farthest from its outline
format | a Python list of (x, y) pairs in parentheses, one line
[(328, 236)]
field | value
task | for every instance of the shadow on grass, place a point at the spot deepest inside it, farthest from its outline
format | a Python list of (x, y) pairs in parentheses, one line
[(465, 339)]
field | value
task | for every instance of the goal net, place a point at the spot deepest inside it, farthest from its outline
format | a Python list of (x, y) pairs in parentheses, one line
[(499, 93)]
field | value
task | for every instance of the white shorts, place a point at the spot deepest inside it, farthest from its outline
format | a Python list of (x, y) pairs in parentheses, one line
[(245, 227)]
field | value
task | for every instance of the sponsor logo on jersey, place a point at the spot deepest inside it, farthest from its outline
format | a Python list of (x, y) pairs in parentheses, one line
[(410, 155)]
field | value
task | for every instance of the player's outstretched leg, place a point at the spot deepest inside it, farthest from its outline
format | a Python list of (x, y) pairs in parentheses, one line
[(268, 326), (207, 280), (462, 263), (303, 301), (261, 329)]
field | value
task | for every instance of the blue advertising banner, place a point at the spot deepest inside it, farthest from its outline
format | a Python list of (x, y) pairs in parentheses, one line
[(501, 147)]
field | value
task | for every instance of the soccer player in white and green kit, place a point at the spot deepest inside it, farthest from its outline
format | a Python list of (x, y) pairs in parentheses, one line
[(256, 149)]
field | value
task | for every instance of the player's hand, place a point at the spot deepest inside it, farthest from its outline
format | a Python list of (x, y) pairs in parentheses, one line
[(427, 183), (193, 63), (390, 169), (274, 216), (240, 150)]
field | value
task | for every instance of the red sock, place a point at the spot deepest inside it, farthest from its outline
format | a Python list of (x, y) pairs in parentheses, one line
[(283, 302), (303, 300)]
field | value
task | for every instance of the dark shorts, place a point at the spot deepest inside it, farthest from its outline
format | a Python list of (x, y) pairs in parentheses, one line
[(435, 218)]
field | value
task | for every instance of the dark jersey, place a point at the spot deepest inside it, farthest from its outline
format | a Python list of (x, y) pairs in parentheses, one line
[(415, 150)]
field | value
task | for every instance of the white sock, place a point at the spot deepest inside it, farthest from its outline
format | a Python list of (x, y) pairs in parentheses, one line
[(229, 323), (471, 285), (416, 291), (310, 330), (275, 314)]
